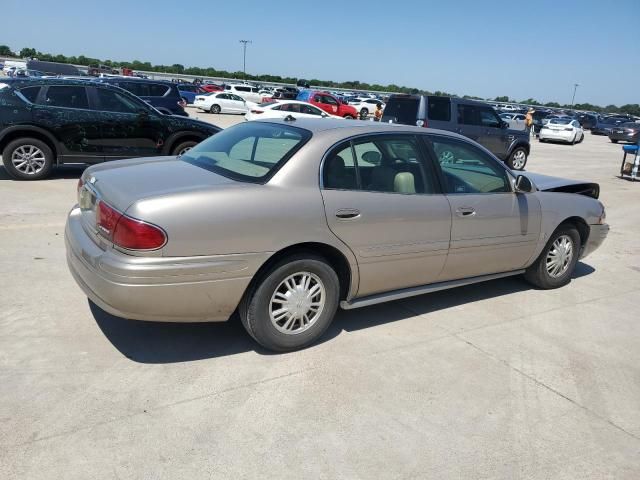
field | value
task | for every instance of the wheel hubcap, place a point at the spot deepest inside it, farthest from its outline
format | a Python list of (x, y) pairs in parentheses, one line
[(297, 303), (519, 159), (28, 159), (184, 150), (560, 256)]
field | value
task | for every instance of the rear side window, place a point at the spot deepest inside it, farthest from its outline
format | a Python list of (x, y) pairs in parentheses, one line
[(158, 90), (402, 110), (439, 109), (137, 88), (243, 89), (30, 93), (66, 96), (114, 102)]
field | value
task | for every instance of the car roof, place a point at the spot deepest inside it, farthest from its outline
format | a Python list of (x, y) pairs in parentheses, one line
[(355, 127), (39, 81)]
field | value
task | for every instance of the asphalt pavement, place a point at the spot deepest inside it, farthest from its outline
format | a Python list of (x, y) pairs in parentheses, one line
[(495, 380)]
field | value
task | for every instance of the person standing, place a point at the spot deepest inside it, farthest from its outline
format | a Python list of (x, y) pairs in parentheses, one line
[(378, 113), (528, 121)]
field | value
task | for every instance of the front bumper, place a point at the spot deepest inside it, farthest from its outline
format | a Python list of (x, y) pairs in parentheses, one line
[(165, 289), (597, 234)]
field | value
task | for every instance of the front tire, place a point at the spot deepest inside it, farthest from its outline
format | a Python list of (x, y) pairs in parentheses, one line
[(518, 159), (293, 304), (557, 261), (349, 117), (28, 159), (364, 113)]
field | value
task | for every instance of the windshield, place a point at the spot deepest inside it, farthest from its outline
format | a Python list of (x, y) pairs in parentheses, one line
[(560, 121), (250, 152)]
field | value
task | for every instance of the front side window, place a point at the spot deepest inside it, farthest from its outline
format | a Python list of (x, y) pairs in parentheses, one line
[(250, 152), (111, 101), (308, 109), (66, 96), (467, 169), (488, 118), (389, 164), (30, 93)]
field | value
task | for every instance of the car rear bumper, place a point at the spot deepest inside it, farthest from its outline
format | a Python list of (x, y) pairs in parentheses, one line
[(560, 136), (597, 235), (624, 137), (165, 289)]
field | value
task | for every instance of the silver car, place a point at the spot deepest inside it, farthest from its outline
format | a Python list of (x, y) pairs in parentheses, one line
[(283, 221)]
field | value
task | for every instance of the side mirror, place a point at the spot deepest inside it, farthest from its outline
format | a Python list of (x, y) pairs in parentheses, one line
[(324, 114), (524, 185)]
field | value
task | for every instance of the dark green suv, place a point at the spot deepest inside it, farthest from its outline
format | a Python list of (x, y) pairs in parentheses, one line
[(49, 122)]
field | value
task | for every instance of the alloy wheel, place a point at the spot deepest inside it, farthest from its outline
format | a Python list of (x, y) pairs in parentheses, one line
[(297, 303), (519, 159), (446, 157), (28, 159), (559, 256)]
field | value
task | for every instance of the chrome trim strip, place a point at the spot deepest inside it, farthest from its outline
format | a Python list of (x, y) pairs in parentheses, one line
[(414, 291)]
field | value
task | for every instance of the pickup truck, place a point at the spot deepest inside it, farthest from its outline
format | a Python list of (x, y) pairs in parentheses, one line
[(327, 102)]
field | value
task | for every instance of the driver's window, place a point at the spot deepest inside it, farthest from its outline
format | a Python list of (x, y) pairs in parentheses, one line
[(329, 100), (488, 118), (467, 169)]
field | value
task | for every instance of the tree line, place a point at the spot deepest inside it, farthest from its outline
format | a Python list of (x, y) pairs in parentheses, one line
[(632, 109)]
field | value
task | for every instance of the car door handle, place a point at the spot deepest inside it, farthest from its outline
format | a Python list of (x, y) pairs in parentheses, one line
[(465, 212), (347, 213)]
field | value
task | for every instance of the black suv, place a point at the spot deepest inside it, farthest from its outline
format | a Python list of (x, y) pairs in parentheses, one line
[(475, 120), (48, 122), (164, 96)]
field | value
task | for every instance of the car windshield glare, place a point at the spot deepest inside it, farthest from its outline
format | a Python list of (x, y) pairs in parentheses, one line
[(249, 152)]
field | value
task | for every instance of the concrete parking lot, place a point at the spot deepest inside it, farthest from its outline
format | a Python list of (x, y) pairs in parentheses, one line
[(495, 380)]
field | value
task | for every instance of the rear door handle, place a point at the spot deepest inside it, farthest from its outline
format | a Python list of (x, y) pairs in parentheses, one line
[(465, 212), (347, 213)]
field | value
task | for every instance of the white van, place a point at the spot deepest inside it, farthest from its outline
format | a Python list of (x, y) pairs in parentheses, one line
[(247, 92)]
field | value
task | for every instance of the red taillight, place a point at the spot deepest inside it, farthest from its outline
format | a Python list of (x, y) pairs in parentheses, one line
[(127, 232), (422, 123), (182, 103), (137, 235), (80, 184)]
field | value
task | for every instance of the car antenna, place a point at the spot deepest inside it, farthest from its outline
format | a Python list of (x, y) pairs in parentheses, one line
[(289, 118)]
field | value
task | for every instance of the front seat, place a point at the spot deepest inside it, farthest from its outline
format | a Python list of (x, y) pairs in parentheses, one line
[(404, 182)]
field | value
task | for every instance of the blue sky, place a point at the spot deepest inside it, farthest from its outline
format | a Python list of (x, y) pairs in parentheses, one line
[(522, 49)]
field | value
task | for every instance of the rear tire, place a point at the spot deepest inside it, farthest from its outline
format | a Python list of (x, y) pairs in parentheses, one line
[(274, 314), (215, 109), (183, 147), (28, 159), (349, 117), (613, 141), (542, 273), (364, 113)]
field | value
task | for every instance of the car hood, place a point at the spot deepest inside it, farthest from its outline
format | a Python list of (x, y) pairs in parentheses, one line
[(179, 121), (124, 182), (547, 183)]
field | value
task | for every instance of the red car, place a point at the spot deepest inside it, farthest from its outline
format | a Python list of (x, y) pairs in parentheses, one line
[(328, 103), (209, 87)]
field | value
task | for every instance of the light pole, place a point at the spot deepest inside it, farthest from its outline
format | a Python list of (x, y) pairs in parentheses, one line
[(244, 56), (573, 99)]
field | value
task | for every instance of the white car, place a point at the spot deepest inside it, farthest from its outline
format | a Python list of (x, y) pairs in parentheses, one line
[(248, 92), (285, 108), (562, 130), (222, 102), (365, 106), (516, 121)]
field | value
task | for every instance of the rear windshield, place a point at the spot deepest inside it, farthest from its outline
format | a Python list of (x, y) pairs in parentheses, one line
[(560, 121), (250, 152), (402, 110)]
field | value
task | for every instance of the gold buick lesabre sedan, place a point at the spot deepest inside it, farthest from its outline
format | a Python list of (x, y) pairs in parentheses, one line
[(284, 221)]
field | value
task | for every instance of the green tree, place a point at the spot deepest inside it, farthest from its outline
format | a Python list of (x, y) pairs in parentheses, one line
[(502, 99), (28, 52), (6, 51)]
